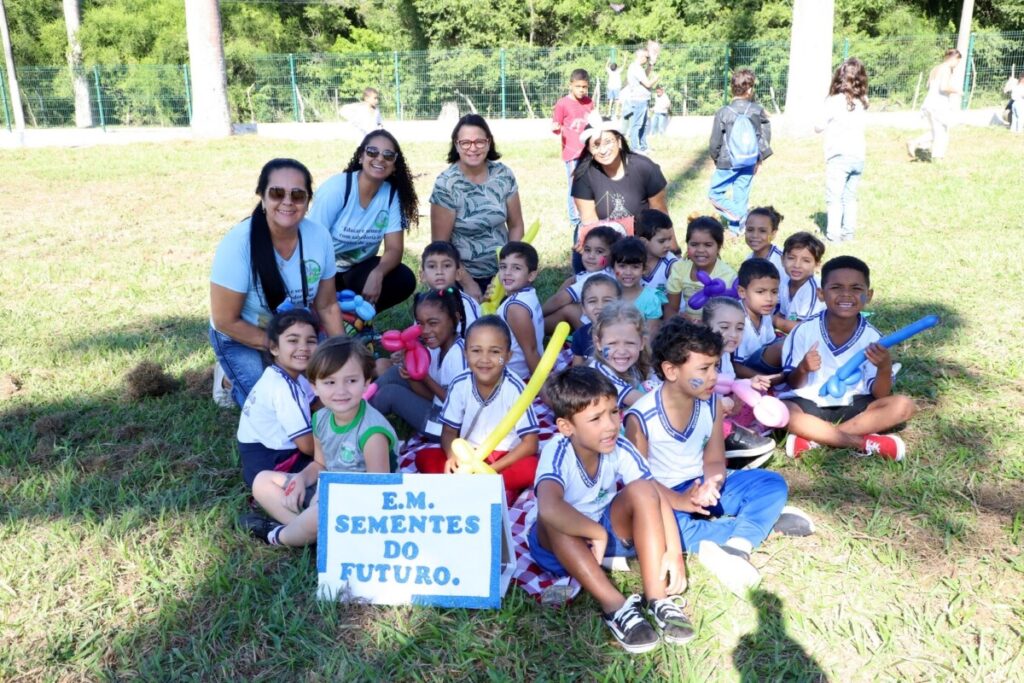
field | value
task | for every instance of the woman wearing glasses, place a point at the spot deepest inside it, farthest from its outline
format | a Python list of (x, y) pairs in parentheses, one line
[(612, 183), (475, 203), (372, 201), (274, 256)]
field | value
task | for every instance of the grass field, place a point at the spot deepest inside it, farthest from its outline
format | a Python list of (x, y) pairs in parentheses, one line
[(119, 555)]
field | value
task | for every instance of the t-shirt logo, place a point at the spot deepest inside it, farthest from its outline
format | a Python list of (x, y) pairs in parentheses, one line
[(348, 455), (312, 272), (381, 221), (601, 495)]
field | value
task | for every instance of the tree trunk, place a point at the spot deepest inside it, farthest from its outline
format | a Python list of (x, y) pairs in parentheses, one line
[(12, 78), (810, 63), (211, 117), (72, 21)]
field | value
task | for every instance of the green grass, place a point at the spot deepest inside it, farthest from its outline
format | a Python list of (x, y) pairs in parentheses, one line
[(118, 552)]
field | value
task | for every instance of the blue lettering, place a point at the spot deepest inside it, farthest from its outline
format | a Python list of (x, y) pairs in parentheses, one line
[(389, 500), (417, 501), (382, 572), (423, 575), (436, 521), (398, 524), (362, 575), (453, 524), (417, 524), (341, 524), (378, 525), (410, 550), (472, 524), (359, 525), (391, 550), (346, 570), (402, 573), (442, 575)]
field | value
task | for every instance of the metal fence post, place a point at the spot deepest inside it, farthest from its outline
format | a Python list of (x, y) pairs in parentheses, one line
[(295, 87), (99, 97), (3, 98), (725, 76), (398, 88), (501, 53), (966, 97), (188, 92), (846, 49)]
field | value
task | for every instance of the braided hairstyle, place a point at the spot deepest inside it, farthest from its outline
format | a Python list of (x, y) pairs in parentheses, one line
[(450, 301)]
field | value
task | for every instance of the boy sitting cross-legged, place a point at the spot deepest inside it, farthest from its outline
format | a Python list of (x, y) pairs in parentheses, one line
[(679, 428), (579, 518), (821, 345)]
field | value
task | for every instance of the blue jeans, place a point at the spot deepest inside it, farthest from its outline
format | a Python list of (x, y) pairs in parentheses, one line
[(842, 175), (733, 208), (1016, 114), (242, 364), (751, 503), (574, 214), (550, 563), (659, 124), (636, 110)]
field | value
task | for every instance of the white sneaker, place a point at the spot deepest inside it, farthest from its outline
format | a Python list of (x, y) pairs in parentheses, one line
[(735, 572), (221, 395)]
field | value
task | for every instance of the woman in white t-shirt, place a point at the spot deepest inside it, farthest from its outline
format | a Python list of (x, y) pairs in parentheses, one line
[(372, 201), (843, 124), (938, 107)]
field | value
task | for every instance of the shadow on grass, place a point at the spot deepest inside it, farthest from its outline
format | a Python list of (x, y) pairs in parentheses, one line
[(143, 333), (770, 653)]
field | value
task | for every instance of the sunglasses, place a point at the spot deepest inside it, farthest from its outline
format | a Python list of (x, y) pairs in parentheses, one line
[(388, 154), (298, 195)]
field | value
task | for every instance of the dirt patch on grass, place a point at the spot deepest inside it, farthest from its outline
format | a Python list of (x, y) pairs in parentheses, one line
[(198, 383), (9, 385), (148, 379)]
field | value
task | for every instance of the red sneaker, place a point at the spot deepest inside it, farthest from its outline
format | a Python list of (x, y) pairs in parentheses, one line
[(796, 445), (886, 445)]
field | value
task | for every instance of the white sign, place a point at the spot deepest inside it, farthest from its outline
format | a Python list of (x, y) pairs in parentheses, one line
[(424, 539)]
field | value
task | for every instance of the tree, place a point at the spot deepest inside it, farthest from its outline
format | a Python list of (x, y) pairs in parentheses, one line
[(12, 77), (210, 114), (72, 22), (810, 61)]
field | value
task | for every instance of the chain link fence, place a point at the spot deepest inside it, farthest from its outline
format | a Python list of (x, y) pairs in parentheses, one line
[(498, 83)]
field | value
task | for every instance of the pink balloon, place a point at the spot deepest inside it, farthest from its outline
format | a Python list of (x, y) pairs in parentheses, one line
[(769, 411)]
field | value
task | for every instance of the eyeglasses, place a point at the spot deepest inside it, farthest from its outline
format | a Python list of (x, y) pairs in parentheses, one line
[(388, 154), (473, 144), (599, 145), (298, 195)]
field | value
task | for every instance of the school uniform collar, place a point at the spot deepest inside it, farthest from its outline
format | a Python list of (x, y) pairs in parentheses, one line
[(667, 424), (862, 324)]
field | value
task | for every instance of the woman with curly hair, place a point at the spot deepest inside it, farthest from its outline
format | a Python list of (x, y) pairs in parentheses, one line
[(843, 125), (372, 201)]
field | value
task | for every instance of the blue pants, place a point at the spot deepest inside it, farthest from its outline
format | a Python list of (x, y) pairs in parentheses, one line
[(574, 217), (242, 364), (842, 175), (722, 180), (659, 124), (549, 562), (749, 507), (636, 110)]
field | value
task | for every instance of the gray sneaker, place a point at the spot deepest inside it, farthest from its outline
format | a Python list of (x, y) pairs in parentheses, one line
[(668, 616), (630, 628)]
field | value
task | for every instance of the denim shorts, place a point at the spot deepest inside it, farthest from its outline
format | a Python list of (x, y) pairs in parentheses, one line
[(617, 547)]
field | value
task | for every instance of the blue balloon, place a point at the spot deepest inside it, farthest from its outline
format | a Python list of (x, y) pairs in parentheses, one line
[(849, 373)]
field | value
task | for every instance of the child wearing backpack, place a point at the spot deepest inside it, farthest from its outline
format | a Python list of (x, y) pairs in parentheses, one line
[(740, 140)]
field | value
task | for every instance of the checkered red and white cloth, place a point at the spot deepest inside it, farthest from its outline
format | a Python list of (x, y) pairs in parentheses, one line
[(540, 584)]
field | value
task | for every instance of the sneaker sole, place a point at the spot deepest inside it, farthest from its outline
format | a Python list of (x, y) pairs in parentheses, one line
[(637, 649), (675, 640), (750, 452), (735, 574), (755, 462)]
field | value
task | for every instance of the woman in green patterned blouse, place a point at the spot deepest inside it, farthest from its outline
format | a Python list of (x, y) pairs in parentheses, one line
[(475, 203)]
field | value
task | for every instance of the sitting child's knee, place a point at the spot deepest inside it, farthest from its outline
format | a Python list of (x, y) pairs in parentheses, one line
[(642, 488)]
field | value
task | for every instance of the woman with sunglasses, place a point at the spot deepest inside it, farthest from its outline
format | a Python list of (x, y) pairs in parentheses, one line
[(372, 201), (475, 203), (274, 256)]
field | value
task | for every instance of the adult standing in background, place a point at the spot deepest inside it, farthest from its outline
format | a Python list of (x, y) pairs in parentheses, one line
[(614, 86), (372, 201), (843, 124), (636, 98), (938, 107), (475, 203), (275, 255)]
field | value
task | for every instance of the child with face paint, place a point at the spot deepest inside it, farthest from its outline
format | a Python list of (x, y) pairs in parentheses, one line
[(565, 304), (704, 240), (598, 292), (743, 446), (678, 428), (620, 351), (629, 257)]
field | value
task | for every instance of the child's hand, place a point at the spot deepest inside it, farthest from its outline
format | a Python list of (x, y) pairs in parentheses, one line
[(812, 360), (294, 494), (674, 571), (732, 407), (451, 465), (707, 494), (599, 545), (763, 383), (878, 355)]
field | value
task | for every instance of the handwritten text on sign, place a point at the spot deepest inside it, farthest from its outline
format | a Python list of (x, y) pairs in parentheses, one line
[(426, 539)]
